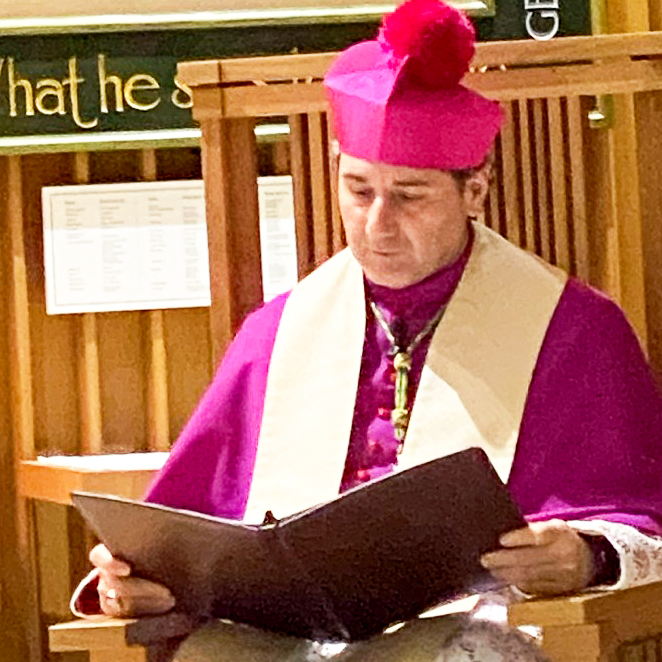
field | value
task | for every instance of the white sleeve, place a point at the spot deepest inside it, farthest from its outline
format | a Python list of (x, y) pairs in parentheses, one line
[(640, 554), (84, 587)]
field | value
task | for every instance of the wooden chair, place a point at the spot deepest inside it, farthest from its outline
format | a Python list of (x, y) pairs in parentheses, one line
[(151, 639), (616, 626)]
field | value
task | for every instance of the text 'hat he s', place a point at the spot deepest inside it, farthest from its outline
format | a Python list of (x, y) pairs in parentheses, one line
[(398, 99)]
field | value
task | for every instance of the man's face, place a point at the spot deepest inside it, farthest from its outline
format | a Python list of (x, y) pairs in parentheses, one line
[(402, 224)]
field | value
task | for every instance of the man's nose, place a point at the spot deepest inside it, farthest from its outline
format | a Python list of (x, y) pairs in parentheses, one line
[(381, 215)]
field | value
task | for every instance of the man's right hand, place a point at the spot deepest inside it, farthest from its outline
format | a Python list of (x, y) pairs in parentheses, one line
[(121, 595)]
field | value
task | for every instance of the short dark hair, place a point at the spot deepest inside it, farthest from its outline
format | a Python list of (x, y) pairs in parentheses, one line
[(462, 175)]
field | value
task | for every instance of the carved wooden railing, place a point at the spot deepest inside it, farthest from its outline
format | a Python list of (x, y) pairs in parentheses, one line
[(573, 194)]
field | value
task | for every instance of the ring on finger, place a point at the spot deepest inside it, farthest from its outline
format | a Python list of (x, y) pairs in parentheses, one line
[(111, 594)]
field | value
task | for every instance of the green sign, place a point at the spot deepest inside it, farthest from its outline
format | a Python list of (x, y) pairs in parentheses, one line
[(84, 86), (106, 87)]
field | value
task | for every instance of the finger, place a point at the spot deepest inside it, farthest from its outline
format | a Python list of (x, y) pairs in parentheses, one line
[(543, 587), (106, 562), (519, 557), (108, 595), (535, 534), (134, 597), (519, 576), (151, 598), (565, 554), (111, 604), (518, 537)]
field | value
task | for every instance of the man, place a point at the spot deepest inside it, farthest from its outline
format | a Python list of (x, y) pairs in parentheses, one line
[(429, 335)]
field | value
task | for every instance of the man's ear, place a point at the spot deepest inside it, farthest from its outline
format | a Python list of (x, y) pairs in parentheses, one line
[(476, 188)]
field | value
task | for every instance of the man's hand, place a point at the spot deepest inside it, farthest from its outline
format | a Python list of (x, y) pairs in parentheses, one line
[(543, 558), (122, 595)]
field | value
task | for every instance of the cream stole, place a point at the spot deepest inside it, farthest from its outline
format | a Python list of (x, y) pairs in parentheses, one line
[(472, 390)]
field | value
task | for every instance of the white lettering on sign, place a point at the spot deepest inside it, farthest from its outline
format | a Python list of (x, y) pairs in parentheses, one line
[(545, 13)]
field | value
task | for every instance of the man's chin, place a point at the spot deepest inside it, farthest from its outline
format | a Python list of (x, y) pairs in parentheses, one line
[(392, 278)]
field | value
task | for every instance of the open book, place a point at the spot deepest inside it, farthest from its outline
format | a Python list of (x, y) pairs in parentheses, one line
[(344, 570)]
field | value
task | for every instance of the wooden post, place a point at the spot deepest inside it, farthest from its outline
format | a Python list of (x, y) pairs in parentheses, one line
[(230, 172), (628, 16), (626, 231), (158, 425), (88, 355), (24, 588)]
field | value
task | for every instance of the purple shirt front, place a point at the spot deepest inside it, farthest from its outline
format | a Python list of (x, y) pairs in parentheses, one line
[(373, 447), (589, 443)]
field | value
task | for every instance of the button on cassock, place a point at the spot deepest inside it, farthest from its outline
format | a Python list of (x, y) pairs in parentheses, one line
[(384, 413)]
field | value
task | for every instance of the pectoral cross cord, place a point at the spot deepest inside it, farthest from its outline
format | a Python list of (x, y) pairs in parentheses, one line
[(402, 358)]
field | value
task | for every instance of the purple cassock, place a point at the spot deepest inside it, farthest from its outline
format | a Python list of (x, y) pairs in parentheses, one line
[(590, 442)]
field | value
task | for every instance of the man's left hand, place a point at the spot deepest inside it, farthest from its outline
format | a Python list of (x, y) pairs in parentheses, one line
[(543, 558)]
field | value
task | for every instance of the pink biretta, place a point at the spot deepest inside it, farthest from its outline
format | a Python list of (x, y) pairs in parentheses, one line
[(398, 99)]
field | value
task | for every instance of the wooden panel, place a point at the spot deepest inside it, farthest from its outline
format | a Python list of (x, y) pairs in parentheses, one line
[(598, 195), (19, 323), (55, 483), (319, 177), (300, 171), (123, 387), (577, 177), (649, 131), (574, 643), (187, 330), (627, 16), (591, 607), (626, 203), (114, 634), (89, 384), (525, 163), (542, 180), (338, 240), (559, 190), (488, 54), (494, 200), (53, 558), (233, 226), (106, 634), (117, 339), (624, 76), (158, 423), (15, 628), (509, 160), (188, 348), (24, 585), (66, 379), (54, 355), (91, 435), (158, 429), (655, 14)]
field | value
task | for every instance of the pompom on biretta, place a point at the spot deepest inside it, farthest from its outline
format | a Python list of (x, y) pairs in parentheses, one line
[(437, 39)]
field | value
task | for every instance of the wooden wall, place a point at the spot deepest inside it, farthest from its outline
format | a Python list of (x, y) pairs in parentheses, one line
[(108, 382), (587, 199)]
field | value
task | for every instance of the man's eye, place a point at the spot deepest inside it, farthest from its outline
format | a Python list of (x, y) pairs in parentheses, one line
[(362, 193), (405, 196)]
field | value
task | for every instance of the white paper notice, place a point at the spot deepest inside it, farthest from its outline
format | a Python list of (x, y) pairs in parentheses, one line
[(134, 246), (278, 243)]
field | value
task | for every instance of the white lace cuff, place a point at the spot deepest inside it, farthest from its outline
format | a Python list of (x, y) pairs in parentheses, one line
[(640, 554)]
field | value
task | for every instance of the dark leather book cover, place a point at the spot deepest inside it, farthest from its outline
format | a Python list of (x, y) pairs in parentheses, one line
[(344, 570)]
